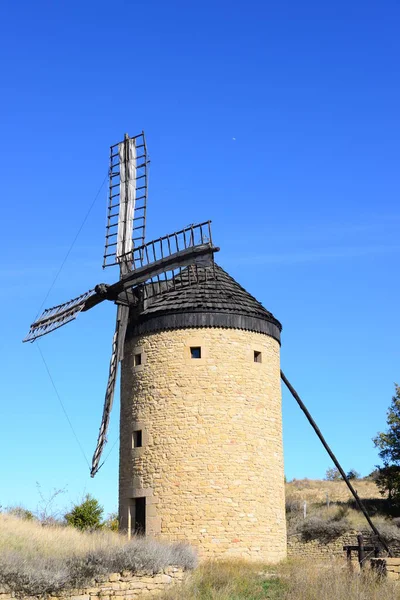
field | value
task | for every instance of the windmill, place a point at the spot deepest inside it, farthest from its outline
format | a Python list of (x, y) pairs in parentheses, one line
[(146, 270), (205, 397)]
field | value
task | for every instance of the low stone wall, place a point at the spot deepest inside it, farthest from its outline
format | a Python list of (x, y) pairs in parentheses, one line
[(320, 549), (116, 586), (389, 567)]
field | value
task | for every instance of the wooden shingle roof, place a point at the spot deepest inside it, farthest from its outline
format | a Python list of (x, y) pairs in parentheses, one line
[(214, 302)]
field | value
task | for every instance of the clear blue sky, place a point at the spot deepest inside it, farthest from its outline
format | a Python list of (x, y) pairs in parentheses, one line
[(280, 122)]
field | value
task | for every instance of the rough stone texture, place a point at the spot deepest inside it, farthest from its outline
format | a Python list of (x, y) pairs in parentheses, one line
[(321, 549), (211, 465), (388, 567), (116, 586)]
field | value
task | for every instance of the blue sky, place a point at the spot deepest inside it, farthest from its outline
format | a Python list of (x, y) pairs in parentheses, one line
[(280, 122)]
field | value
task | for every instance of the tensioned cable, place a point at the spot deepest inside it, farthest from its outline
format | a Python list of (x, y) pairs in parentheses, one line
[(106, 458), (62, 404), (72, 245), (45, 298)]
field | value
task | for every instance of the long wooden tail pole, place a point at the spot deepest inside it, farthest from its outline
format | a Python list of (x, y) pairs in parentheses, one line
[(336, 462)]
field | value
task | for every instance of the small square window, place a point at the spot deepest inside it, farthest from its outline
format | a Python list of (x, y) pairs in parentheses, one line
[(257, 356), (195, 352), (137, 360), (137, 439)]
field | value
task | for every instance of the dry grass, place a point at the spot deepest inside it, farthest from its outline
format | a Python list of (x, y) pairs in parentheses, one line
[(315, 490), (30, 538), (299, 580), (340, 511), (38, 560)]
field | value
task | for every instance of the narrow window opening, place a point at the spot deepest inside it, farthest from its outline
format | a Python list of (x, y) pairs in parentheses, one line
[(137, 360), (140, 516), (137, 439), (257, 356), (195, 352)]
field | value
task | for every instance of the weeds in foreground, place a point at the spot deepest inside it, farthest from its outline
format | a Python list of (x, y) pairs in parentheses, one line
[(229, 580), (294, 580), (37, 560)]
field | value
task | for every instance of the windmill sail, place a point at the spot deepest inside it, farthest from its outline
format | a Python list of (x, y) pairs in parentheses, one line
[(127, 196), (126, 218), (116, 356), (57, 316), (154, 263)]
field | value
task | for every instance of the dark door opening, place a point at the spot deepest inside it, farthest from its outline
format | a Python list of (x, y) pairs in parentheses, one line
[(140, 516)]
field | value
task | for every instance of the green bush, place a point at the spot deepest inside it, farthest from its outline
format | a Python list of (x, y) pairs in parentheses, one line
[(86, 515)]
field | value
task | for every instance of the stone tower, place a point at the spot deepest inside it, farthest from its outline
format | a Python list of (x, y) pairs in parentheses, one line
[(201, 455)]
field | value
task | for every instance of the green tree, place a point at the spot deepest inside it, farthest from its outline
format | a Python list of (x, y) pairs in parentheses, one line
[(388, 442), (86, 515), (353, 474)]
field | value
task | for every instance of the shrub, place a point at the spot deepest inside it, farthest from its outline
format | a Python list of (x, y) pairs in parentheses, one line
[(321, 529), (333, 474), (353, 474), (86, 515), (20, 512), (292, 505), (48, 575), (389, 532), (112, 522), (341, 513), (39, 576)]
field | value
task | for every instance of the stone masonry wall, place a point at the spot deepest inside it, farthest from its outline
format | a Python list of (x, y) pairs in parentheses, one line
[(388, 567), (116, 586), (211, 462), (320, 549)]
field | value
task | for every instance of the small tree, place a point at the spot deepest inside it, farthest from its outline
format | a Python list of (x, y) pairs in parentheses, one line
[(333, 474), (112, 522), (353, 474), (86, 515), (388, 442)]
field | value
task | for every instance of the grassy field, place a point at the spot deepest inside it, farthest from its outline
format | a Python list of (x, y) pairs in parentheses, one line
[(30, 538), (331, 501), (316, 490), (37, 559), (293, 580)]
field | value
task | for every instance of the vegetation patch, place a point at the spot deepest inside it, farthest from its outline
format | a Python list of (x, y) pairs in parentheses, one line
[(324, 530), (40, 564), (293, 580)]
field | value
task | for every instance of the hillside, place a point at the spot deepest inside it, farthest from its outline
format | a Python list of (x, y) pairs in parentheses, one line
[(316, 490)]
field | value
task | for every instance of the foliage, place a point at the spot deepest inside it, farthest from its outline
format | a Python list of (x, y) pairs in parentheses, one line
[(291, 580), (325, 530), (353, 474), (37, 560), (112, 522), (388, 443), (86, 515), (230, 580), (20, 512), (333, 474)]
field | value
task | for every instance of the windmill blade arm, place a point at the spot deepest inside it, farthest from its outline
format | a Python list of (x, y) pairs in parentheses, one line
[(57, 316), (201, 254), (116, 356)]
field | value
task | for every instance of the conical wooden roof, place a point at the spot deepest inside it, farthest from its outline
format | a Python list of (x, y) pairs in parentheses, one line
[(214, 302)]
